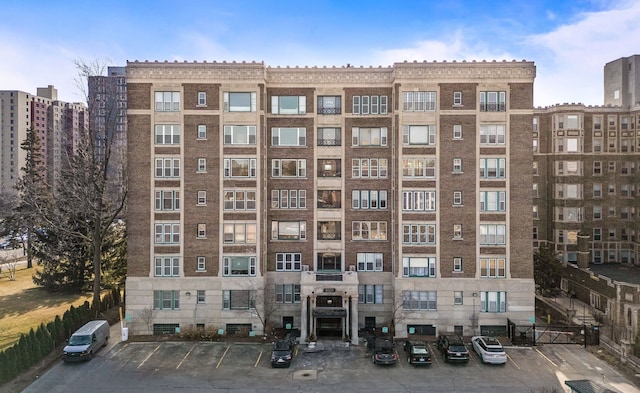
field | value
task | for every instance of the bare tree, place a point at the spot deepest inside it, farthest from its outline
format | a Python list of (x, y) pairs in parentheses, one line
[(147, 315), (268, 305), (8, 267)]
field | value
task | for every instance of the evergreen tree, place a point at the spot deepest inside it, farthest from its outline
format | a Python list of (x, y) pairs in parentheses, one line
[(546, 269)]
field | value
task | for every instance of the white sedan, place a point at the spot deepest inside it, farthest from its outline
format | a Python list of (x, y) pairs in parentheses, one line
[(489, 349)]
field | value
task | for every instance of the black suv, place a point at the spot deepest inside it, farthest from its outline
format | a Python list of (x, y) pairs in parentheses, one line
[(282, 353), (417, 352), (384, 351), (453, 349)]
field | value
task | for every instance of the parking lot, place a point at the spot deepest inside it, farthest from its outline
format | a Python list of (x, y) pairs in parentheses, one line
[(245, 367)]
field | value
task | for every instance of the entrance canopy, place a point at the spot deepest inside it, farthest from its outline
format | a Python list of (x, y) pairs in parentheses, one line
[(329, 312)]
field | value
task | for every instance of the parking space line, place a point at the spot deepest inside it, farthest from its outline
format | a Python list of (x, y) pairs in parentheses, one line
[(185, 356), (549, 360), (148, 356), (118, 351), (223, 355), (514, 363), (258, 361)]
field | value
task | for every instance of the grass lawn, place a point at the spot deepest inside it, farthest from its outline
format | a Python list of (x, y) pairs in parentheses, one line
[(23, 306)]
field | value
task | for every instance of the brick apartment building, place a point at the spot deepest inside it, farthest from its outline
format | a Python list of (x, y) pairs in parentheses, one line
[(330, 199)]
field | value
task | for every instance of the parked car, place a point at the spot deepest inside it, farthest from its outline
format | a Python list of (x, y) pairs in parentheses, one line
[(417, 352), (86, 341), (282, 353), (384, 352), (453, 349), (5, 245), (489, 349)]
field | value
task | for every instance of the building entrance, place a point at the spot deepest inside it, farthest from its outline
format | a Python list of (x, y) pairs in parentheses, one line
[(329, 327)]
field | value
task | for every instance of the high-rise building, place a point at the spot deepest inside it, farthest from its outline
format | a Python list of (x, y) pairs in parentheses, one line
[(622, 82), (330, 199)]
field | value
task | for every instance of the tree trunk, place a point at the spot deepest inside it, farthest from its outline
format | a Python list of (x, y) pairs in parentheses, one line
[(97, 258)]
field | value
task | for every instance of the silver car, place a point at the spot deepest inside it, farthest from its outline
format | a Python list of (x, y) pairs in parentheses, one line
[(489, 349)]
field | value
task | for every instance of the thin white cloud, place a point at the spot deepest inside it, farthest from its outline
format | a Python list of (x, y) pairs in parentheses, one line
[(571, 58), (456, 48)]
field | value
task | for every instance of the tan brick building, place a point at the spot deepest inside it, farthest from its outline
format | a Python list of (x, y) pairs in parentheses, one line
[(330, 199)]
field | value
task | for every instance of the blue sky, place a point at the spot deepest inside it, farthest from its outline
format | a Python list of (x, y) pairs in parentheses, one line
[(570, 41)]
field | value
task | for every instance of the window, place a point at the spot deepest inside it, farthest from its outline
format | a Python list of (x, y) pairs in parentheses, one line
[(239, 102), (568, 191), (457, 198), (535, 211), (535, 168), (493, 168), (329, 136), (493, 201), (202, 165), (167, 134), (329, 105), (419, 234), (202, 198), (167, 167), (288, 199), (289, 168), (492, 134), (457, 165), (369, 167), (370, 294), (202, 98), (534, 235), (612, 189), (457, 98), (369, 199), (493, 267), (238, 300), (612, 233), (569, 214), (202, 231), (418, 101), (288, 136), (201, 265), (369, 136), (457, 131), (369, 230), (287, 293), (239, 135), (418, 200), (166, 267), (493, 301), (597, 145), (167, 101), (597, 122), (167, 233), (597, 168), (612, 166), (288, 105), (167, 200), (332, 199), (202, 131), (597, 190), (329, 168), (239, 167), (568, 168), (288, 230), (364, 105), (238, 266), (457, 264), (419, 300), (419, 167), (457, 298), (419, 135), (597, 212), (493, 233), (493, 101), (239, 233), (239, 200), (624, 213), (369, 261), (166, 300), (329, 230), (457, 231), (288, 261), (597, 234), (200, 295)]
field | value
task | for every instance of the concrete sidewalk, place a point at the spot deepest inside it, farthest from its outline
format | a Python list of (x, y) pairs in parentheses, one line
[(579, 312)]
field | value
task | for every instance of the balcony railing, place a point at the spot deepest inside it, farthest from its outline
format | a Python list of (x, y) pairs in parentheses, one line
[(329, 236), (492, 106), (329, 111), (329, 142)]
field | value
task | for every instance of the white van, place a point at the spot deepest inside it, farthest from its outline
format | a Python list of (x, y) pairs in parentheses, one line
[(86, 341)]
